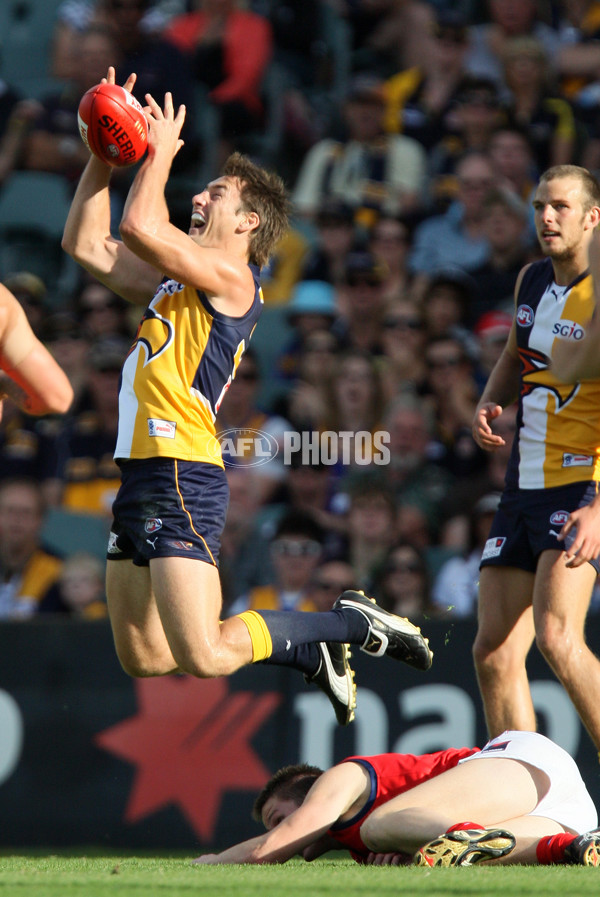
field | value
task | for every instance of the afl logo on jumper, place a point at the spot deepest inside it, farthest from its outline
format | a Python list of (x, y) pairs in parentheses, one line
[(559, 518), (524, 316)]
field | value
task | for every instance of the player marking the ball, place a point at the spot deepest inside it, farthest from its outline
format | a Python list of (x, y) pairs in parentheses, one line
[(202, 296)]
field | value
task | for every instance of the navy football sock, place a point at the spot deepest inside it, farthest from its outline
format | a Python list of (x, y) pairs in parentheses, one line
[(305, 658), (289, 629)]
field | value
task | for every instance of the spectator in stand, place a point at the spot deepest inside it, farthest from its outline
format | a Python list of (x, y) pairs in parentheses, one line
[(468, 128), (361, 303), (27, 569), (16, 115), (310, 488), (311, 308), (512, 156), (445, 304), (335, 238), (230, 49), (402, 364), (452, 395), (389, 241), (371, 527), (418, 99), (285, 267), (491, 332), (355, 406), (389, 34), (89, 476), (459, 502), (294, 552), (534, 104), (412, 478), (79, 589), (403, 585), (67, 339), (306, 402), (578, 64), (454, 239), (239, 412), (102, 312), (330, 578), (241, 559), (53, 142), (30, 291), (507, 19), (505, 225), (456, 586), (372, 171), (73, 17)]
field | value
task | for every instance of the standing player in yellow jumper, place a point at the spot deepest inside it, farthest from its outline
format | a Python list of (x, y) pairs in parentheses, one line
[(203, 298), (540, 563)]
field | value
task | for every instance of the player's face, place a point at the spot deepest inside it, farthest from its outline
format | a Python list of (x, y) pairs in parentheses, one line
[(559, 217), (216, 212), (276, 810)]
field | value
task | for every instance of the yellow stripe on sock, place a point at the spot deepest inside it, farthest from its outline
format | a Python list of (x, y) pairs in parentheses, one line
[(262, 644)]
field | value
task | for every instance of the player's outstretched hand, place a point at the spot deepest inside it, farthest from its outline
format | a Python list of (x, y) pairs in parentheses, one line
[(165, 125), (111, 79), (482, 431)]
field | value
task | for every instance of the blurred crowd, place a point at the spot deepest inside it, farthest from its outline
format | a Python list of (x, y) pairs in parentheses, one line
[(411, 134)]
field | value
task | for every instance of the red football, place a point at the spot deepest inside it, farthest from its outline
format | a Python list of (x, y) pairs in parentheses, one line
[(112, 125)]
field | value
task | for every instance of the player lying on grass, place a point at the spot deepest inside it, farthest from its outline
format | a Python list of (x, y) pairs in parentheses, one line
[(525, 793)]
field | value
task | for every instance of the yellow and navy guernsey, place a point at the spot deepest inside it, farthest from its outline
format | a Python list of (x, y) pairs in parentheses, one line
[(558, 425), (174, 378)]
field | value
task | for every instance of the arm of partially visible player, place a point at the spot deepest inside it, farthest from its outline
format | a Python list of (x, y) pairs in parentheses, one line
[(87, 236), (328, 799), (147, 230), (30, 376), (580, 360)]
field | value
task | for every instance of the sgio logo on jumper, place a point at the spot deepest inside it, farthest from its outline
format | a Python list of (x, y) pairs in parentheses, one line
[(247, 447)]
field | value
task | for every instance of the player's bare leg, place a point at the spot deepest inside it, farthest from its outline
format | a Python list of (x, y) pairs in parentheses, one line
[(138, 633), (485, 791), (504, 637), (560, 603), (188, 598)]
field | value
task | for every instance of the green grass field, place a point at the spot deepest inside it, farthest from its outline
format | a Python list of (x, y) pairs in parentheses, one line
[(92, 875)]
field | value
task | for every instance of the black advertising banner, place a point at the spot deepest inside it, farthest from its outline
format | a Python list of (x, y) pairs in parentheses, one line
[(89, 756)]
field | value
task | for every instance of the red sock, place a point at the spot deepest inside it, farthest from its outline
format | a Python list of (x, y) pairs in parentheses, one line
[(551, 850), (462, 826)]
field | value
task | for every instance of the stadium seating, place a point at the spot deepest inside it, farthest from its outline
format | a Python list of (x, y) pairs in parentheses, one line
[(33, 211)]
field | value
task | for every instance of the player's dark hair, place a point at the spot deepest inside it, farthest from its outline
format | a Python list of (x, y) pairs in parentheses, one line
[(262, 192), (590, 186), (288, 783)]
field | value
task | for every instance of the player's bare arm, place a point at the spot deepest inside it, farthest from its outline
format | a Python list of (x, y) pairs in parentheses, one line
[(87, 236), (333, 796), (219, 266), (501, 389), (30, 376)]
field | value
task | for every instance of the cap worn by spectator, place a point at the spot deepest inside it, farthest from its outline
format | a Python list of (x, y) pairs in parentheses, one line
[(364, 266), (312, 297), (27, 286), (108, 353), (366, 88), (493, 325), (333, 211), (454, 277)]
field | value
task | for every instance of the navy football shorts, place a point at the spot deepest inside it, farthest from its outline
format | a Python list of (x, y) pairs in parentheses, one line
[(528, 521), (168, 508)]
